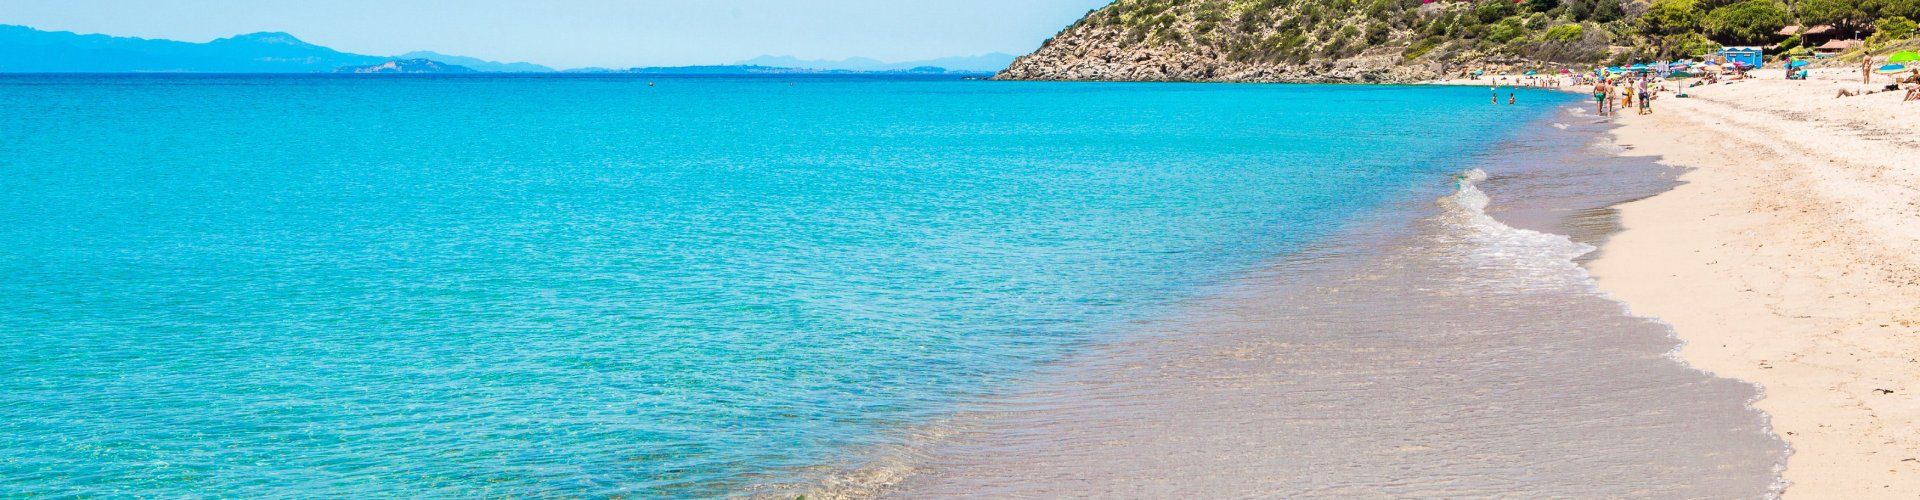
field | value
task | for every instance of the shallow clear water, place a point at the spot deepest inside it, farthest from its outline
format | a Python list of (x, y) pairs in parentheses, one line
[(321, 285), (1437, 351)]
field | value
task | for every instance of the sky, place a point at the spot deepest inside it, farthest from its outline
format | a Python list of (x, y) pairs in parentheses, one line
[(581, 33)]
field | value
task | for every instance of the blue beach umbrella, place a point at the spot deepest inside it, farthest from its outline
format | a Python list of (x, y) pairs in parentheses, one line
[(1796, 63), (1642, 68), (1891, 69)]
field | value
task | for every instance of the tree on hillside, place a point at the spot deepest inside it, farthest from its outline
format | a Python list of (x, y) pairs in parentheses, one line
[(1882, 9), (1848, 15), (1671, 17), (1750, 22)]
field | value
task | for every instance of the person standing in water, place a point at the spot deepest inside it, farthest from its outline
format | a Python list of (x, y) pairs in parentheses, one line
[(1510, 99)]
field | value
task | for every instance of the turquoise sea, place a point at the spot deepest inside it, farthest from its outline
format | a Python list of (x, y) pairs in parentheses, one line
[(589, 286)]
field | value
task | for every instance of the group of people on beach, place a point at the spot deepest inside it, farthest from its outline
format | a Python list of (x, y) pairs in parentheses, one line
[(1625, 90), (1611, 93)]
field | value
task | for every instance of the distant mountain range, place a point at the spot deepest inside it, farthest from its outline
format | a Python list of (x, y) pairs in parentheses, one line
[(28, 50)]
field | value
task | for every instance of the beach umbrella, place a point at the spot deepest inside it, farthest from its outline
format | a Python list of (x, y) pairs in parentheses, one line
[(1891, 69), (1532, 72), (1904, 56), (1796, 63), (1565, 71), (1639, 68)]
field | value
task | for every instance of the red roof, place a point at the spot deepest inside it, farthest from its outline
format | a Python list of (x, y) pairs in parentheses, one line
[(1838, 45), (1818, 30), (1790, 29)]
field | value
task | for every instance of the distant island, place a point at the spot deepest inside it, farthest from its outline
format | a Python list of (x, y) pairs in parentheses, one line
[(477, 64), (406, 66), (984, 63)]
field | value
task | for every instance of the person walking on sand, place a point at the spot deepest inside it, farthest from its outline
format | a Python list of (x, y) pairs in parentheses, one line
[(1600, 97), (1646, 99)]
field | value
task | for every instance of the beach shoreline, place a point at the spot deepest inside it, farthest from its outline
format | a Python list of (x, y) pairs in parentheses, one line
[(1787, 259), (1464, 353)]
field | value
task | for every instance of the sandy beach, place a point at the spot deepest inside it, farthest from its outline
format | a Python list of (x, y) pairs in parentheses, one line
[(1790, 258)]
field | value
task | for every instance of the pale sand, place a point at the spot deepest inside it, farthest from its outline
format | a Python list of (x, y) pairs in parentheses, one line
[(1791, 258)]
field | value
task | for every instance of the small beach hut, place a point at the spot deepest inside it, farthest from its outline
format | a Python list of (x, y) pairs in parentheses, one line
[(1749, 56), (1817, 35), (1836, 47)]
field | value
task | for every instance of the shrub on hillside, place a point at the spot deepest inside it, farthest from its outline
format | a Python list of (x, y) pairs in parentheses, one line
[(1891, 29)]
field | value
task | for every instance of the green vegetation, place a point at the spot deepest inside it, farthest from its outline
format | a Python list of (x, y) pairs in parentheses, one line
[(1448, 31), (1751, 22)]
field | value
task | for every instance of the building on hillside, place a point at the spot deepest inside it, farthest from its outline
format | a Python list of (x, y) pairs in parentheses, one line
[(1814, 36), (1836, 46)]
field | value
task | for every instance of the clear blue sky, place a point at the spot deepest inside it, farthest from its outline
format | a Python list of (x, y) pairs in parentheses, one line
[(575, 33)]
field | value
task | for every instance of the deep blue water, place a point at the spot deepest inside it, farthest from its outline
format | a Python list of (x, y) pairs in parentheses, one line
[(315, 285)]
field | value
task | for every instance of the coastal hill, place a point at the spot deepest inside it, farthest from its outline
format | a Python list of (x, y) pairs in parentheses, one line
[(28, 50), (1408, 40)]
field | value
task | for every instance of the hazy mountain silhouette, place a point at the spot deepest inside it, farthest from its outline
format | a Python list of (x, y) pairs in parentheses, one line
[(28, 50)]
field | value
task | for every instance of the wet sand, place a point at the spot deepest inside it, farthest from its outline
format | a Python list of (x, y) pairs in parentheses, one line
[(1454, 348)]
